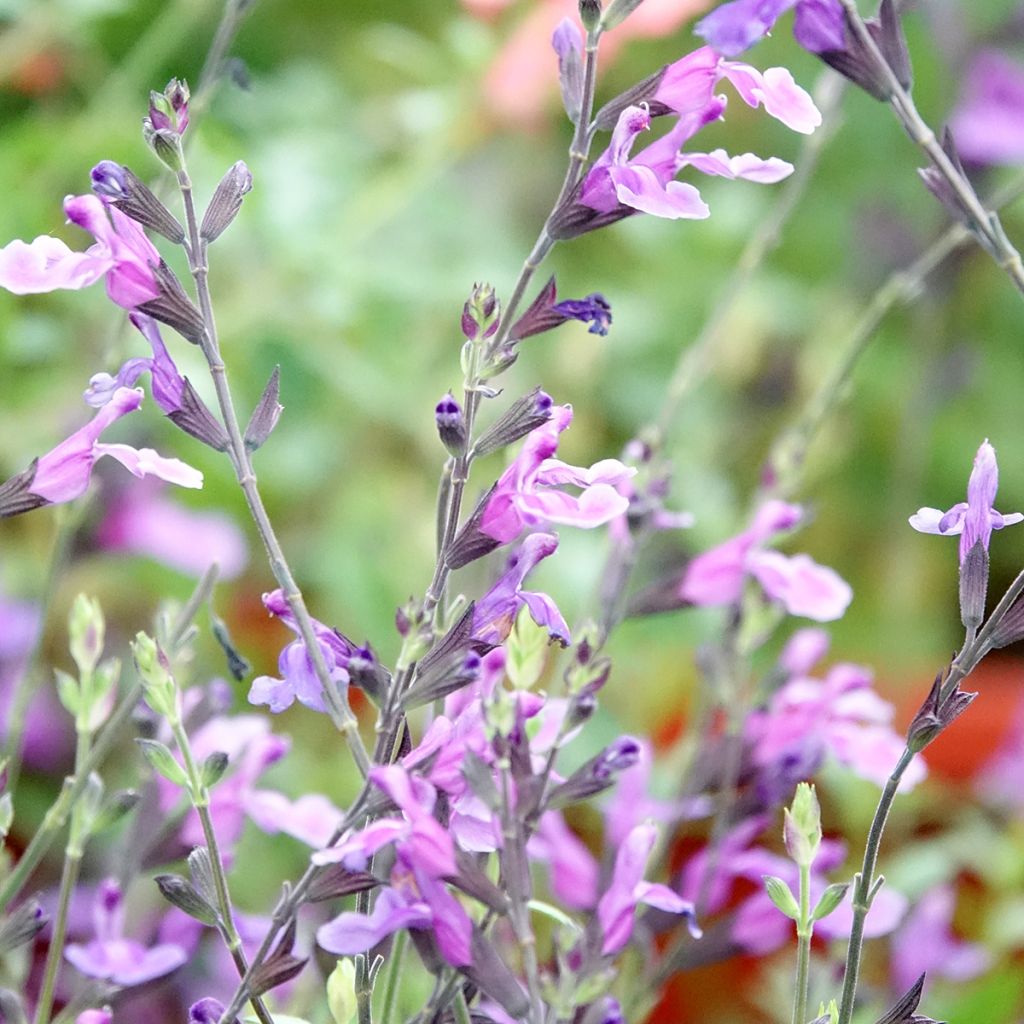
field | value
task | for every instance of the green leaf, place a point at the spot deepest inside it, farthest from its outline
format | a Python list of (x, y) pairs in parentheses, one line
[(779, 893), (830, 899), (69, 692), (162, 761)]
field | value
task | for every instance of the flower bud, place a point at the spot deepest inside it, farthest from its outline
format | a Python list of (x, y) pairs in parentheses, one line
[(802, 829), (123, 189), (159, 688), (480, 314), (590, 13), (21, 925), (226, 201), (522, 416), (451, 425), (597, 774), (86, 629), (341, 992), (168, 110)]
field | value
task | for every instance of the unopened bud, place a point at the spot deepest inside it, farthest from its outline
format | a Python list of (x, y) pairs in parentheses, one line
[(525, 414), (341, 992), (590, 13), (451, 424), (802, 828), (132, 196), (86, 628), (480, 313), (226, 201), (159, 688), (168, 110)]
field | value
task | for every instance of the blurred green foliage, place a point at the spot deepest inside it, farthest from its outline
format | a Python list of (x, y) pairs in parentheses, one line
[(384, 187)]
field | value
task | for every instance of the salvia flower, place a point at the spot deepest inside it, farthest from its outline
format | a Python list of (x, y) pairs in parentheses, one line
[(495, 613), (617, 907), (798, 583), (528, 492), (298, 676), (122, 253), (988, 120), (63, 474), (112, 957), (975, 519), (545, 312)]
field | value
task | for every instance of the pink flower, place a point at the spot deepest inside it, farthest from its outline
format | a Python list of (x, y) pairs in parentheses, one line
[(797, 582), (988, 121), (841, 715), (528, 492), (122, 253)]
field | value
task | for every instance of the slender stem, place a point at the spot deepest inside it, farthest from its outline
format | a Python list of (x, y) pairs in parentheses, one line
[(984, 223), (459, 1007), (515, 874), (863, 887), (337, 701), (68, 879), (200, 797), (804, 930), (789, 450), (393, 978)]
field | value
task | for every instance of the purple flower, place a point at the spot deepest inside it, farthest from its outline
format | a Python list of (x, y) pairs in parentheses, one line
[(803, 650), (167, 384), (122, 253), (797, 582), (528, 492), (575, 872), (206, 1011), (807, 718), (545, 313), (925, 943), (312, 818), (974, 519), (110, 956), (988, 120), (64, 473), (495, 613), (617, 907), (144, 521), (94, 1017), (298, 677), (734, 27)]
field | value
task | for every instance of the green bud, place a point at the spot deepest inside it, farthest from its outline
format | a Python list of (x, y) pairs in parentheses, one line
[(96, 704), (214, 768), (159, 689), (590, 13), (781, 895), (802, 828), (86, 629), (118, 804), (162, 761), (341, 992), (500, 713), (85, 815), (830, 899)]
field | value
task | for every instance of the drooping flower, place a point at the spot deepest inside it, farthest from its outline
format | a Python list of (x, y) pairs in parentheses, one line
[(617, 907), (925, 943), (797, 582), (110, 956), (528, 492), (975, 519), (988, 120), (122, 253), (64, 473), (495, 613), (298, 677), (545, 313)]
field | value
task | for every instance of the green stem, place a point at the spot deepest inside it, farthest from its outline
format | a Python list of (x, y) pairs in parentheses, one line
[(393, 978), (984, 223), (862, 887), (804, 930), (200, 797), (337, 701)]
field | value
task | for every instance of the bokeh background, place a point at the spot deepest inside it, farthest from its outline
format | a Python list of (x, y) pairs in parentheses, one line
[(402, 151)]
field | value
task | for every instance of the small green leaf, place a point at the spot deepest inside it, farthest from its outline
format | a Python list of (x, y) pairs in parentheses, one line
[(69, 692), (6, 815), (779, 893), (341, 992), (162, 761), (830, 899)]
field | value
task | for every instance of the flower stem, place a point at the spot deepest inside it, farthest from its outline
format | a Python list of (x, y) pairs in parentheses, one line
[(804, 930), (200, 797), (984, 223), (337, 701), (393, 978)]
